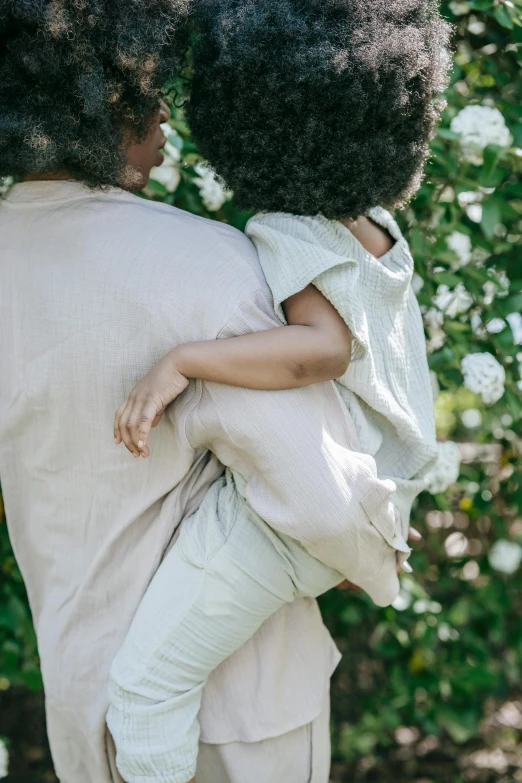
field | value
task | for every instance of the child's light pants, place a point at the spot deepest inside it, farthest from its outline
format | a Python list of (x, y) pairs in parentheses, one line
[(225, 575)]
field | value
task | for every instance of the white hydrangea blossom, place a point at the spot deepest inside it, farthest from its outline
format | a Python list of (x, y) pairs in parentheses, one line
[(212, 192), (460, 244), (471, 418), (446, 470), (172, 152), (167, 175), (505, 556), (417, 283), (499, 287), (496, 325), (434, 320), (476, 27), (5, 184), (479, 126), (484, 375), (459, 8), (453, 301), (4, 760), (476, 324), (515, 322)]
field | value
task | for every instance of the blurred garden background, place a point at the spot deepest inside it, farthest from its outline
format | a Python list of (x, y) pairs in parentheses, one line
[(429, 690)]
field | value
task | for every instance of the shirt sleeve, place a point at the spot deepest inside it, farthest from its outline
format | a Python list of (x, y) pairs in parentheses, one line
[(297, 452), (296, 251)]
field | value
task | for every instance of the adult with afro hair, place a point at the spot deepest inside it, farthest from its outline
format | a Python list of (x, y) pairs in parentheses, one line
[(318, 115), (80, 82), (96, 285)]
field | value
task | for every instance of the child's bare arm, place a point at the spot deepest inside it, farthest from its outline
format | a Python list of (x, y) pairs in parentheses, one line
[(314, 347)]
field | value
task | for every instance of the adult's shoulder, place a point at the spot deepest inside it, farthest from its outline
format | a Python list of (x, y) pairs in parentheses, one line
[(207, 245), (196, 271)]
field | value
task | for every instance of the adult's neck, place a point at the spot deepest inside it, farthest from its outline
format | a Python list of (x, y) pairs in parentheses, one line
[(53, 175)]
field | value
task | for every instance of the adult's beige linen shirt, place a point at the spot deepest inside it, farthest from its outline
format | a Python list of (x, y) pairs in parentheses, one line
[(94, 288)]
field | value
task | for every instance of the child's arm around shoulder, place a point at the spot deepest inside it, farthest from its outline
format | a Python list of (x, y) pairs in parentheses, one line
[(315, 347), (329, 339)]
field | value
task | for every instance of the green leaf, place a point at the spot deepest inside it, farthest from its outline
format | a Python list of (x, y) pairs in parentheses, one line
[(491, 155), (455, 729), (491, 215), (514, 402), (480, 5), (446, 133), (511, 304), (447, 278), (31, 676), (503, 16), (456, 326)]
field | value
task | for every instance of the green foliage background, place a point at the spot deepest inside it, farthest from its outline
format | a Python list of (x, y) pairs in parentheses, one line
[(453, 653)]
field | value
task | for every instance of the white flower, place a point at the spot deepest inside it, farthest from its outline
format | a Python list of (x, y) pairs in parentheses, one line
[(484, 375), (434, 320), (212, 192), (166, 128), (172, 152), (505, 556), (456, 544), (476, 323), (4, 760), (459, 8), (416, 283), (5, 184), (471, 418), (452, 302), (423, 605), (515, 322), (498, 287), (474, 212), (460, 244), (466, 197), (496, 325), (479, 126), (167, 175), (403, 601), (446, 470), (476, 27)]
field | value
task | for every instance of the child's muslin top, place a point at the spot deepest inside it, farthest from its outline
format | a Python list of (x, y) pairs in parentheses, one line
[(387, 387)]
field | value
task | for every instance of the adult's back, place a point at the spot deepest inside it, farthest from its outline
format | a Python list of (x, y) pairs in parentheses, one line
[(96, 286)]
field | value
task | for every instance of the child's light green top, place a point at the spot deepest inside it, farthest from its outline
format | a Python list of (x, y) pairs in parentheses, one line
[(387, 386)]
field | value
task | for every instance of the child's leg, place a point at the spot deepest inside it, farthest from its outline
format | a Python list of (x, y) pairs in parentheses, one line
[(226, 574)]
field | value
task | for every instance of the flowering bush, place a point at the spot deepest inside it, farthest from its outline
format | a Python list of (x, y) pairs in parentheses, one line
[(4, 760), (430, 673)]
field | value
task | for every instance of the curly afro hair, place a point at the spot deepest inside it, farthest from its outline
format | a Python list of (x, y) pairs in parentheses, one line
[(318, 106), (79, 78)]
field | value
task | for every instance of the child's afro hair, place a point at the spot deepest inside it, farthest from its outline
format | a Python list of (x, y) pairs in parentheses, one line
[(318, 106)]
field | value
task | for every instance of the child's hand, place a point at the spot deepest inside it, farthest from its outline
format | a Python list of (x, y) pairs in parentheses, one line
[(414, 536), (146, 404)]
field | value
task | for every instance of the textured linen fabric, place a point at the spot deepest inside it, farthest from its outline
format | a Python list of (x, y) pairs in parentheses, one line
[(300, 756), (227, 578), (227, 572), (95, 287), (387, 387)]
